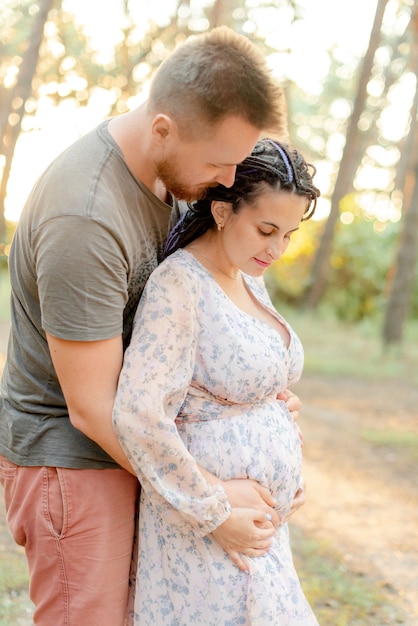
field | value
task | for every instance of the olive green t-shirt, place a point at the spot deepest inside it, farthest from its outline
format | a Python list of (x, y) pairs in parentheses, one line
[(88, 238)]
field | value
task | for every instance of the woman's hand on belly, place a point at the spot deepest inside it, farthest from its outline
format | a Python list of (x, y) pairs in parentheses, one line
[(248, 493), (245, 531)]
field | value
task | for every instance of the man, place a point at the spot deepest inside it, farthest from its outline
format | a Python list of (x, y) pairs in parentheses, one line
[(90, 234)]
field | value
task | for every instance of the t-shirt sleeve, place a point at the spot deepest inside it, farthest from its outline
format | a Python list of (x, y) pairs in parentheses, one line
[(82, 279), (155, 377)]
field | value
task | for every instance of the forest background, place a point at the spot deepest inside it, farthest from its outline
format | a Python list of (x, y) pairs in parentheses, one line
[(349, 72)]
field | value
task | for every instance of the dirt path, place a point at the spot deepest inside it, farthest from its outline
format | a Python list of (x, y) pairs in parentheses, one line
[(363, 498)]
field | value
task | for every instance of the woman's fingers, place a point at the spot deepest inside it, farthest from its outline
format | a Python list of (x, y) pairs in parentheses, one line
[(247, 493), (245, 529), (253, 552), (241, 562), (246, 532), (238, 560)]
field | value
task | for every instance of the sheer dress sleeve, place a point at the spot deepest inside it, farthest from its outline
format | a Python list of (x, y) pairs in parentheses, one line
[(153, 384)]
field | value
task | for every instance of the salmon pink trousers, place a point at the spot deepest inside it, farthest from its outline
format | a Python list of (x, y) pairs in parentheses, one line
[(77, 528)]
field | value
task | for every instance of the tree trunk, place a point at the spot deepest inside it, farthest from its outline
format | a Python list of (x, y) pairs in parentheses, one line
[(343, 184), (17, 100), (403, 275)]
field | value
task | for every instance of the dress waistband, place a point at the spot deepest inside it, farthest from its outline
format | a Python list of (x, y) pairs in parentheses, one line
[(203, 406)]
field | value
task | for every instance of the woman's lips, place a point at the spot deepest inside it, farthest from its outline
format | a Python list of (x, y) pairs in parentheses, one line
[(263, 264)]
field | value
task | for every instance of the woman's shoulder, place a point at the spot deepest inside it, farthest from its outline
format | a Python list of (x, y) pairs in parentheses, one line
[(178, 262), (178, 267)]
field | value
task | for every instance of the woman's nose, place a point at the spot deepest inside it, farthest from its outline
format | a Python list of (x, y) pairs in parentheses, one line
[(276, 250)]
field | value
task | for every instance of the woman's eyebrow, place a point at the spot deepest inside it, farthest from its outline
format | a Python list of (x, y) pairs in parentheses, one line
[(271, 224)]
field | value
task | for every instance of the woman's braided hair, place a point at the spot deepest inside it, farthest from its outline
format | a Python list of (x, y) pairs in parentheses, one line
[(270, 163)]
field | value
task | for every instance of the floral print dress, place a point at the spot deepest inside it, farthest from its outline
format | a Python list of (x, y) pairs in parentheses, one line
[(199, 386)]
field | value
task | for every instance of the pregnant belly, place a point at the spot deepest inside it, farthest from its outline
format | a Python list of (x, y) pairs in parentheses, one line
[(262, 444)]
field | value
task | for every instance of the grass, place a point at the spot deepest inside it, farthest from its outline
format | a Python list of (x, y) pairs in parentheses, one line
[(405, 443), (338, 596), (15, 606), (391, 438)]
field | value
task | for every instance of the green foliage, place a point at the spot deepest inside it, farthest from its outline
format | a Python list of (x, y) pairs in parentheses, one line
[(360, 269), (360, 263), (286, 278), (16, 19)]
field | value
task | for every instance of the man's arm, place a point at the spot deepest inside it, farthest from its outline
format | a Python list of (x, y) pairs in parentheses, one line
[(88, 373)]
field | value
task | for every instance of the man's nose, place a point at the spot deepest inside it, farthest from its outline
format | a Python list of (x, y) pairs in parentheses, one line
[(226, 176)]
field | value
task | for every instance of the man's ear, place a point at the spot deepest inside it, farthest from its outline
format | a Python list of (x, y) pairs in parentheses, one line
[(162, 127)]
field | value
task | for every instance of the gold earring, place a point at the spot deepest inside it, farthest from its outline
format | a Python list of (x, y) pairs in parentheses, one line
[(220, 226)]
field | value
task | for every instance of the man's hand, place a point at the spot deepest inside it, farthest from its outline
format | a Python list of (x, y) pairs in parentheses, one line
[(245, 532), (294, 403), (298, 501)]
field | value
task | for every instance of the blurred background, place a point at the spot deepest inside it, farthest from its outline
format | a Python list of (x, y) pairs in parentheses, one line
[(349, 71), (348, 283)]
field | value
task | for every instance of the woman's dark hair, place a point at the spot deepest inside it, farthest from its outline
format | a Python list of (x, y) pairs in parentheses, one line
[(270, 163)]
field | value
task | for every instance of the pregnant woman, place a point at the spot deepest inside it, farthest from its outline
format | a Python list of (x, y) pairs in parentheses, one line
[(197, 404)]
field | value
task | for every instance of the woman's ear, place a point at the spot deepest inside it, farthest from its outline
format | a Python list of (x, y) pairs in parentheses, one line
[(220, 211)]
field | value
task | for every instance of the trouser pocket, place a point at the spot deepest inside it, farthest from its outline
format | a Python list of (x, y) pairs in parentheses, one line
[(54, 501)]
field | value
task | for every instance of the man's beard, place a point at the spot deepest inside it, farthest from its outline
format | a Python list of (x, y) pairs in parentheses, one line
[(171, 179)]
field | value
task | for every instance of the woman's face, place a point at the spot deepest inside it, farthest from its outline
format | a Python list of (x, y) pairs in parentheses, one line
[(260, 233)]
